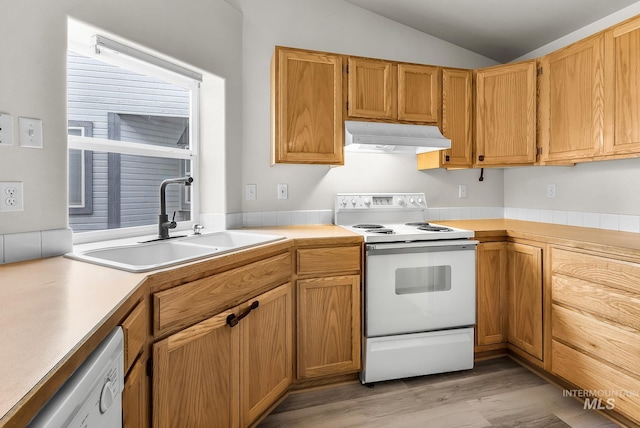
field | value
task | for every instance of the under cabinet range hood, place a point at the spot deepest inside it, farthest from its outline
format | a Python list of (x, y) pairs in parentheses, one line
[(377, 137)]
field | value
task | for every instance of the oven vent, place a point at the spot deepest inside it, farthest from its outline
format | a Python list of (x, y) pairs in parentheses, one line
[(376, 137)]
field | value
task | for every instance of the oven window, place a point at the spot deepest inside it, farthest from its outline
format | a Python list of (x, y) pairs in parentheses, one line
[(426, 279)]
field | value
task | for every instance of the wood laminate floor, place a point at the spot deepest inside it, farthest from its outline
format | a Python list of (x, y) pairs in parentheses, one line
[(496, 393)]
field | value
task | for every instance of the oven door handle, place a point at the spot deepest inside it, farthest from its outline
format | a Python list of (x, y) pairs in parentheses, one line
[(419, 247)]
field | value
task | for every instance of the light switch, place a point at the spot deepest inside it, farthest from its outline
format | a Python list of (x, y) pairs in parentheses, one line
[(30, 132), (6, 129)]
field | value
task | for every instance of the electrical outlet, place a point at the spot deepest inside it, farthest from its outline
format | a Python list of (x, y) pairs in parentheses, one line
[(283, 192), (551, 190), (11, 197), (250, 192), (462, 191)]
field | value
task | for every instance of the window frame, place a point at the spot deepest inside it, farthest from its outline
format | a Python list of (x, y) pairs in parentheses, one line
[(86, 207), (94, 144)]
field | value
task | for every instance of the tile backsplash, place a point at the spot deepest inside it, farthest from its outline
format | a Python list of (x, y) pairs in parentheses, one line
[(17, 247)]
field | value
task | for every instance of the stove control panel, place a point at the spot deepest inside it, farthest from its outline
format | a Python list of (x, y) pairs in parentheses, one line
[(403, 201)]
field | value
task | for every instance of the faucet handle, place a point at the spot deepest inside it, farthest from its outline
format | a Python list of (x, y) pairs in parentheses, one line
[(197, 228)]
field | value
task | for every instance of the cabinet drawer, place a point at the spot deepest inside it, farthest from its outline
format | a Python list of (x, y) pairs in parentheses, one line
[(593, 375), (186, 304), (618, 346), (135, 330), (610, 303), (596, 269), (328, 260)]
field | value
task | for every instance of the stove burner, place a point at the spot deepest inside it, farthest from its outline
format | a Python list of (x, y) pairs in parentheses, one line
[(368, 226), (430, 228), (385, 231), (417, 223)]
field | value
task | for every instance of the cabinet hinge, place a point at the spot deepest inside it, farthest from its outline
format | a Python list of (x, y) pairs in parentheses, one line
[(347, 105), (149, 367), (347, 69), (540, 69)]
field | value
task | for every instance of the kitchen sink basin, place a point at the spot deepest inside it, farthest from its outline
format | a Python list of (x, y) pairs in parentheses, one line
[(146, 256)]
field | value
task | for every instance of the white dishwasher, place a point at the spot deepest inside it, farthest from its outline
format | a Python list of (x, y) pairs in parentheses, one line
[(92, 396)]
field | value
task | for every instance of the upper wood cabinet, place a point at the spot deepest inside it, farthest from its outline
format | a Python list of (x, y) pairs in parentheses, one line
[(524, 279), (457, 122), (307, 107), (384, 90), (622, 88), (506, 115), (372, 89), (571, 102)]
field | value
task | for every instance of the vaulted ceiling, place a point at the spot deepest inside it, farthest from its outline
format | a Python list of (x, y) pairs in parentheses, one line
[(502, 30)]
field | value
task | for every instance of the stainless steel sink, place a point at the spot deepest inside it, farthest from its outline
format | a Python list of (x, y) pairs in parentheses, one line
[(143, 257)]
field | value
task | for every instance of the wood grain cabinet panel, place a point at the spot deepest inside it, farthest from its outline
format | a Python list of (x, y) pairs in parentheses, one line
[(622, 88), (595, 323), (135, 397), (491, 293), (457, 122), (506, 114), (371, 89), (221, 374), (592, 374), (266, 351), (196, 376), (389, 91), (307, 107), (418, 93), (571, 102), (191, 302), (524, 275), (328, 260), (329, 326), (135, 328)]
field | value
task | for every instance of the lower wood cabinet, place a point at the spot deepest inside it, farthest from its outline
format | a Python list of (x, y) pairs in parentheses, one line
[(135, 397), (329, 331), (524, 279), (491, 326), (595, 323), (228, 369)]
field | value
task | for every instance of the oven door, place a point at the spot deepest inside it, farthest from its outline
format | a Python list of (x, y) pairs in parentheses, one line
[(419, 286)]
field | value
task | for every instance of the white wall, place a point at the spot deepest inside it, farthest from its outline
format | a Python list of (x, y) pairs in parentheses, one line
[(33, 37), (340, 27), (597, 187)]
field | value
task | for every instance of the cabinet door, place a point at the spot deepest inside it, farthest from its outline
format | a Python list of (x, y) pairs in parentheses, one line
[(307, 110), (196, 376), (491, 293), (329, 326), (525, 297), (266, 347), (418, 93), (135, 403), (506, 114), (372, 89), (572, 102), (457, 116), (622, 88)]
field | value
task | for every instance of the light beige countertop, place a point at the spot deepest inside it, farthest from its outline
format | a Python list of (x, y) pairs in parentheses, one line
[(54, 311), (48, 309), (624, 243)]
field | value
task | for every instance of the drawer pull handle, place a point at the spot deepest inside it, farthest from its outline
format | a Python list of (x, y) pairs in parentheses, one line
[(233, 320)]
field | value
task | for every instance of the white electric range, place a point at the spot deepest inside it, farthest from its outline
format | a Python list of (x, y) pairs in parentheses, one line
[(419, 286)]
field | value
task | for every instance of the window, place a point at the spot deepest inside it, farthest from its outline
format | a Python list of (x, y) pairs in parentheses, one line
[(132, 122)]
